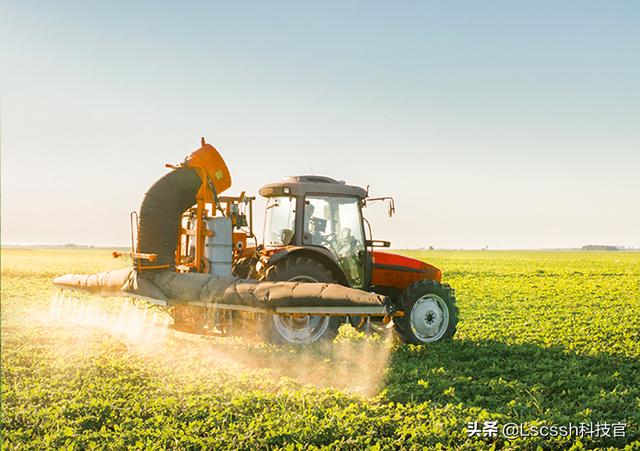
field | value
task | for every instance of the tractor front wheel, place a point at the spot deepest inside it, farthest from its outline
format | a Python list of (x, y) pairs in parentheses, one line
[(430, 313)]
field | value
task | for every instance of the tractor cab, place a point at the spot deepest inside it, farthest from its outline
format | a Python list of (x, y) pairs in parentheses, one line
[(321, 217), (314, 232)]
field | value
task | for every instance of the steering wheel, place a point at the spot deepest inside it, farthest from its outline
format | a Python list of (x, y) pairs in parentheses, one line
[(329, 237), (330, 241)]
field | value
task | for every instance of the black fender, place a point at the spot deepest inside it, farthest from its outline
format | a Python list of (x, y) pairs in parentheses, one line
[(315, 252)]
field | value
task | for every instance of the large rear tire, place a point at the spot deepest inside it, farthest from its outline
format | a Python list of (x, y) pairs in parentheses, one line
[(430, 313), (307, 329)]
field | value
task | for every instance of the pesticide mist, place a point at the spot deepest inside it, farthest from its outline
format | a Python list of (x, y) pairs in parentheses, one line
[(353, 363)]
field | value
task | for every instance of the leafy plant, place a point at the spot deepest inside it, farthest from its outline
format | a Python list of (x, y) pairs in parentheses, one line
[(544, 338)]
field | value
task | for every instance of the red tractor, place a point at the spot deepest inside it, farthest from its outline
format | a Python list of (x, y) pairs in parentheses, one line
[(315, 232)]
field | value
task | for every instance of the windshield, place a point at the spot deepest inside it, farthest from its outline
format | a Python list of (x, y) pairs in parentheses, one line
[(335, 223), (279, 221)]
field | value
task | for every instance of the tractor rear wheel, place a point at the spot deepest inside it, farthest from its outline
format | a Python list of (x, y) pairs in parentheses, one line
[(300, 330), (430, 313)]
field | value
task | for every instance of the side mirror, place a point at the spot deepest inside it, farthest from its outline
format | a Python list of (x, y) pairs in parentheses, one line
[(391, 204), (377, 243)]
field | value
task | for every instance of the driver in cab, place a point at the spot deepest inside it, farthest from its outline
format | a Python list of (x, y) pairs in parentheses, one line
[(313, 227)]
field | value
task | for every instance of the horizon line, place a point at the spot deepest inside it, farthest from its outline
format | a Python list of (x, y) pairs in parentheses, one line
[(486, 248)]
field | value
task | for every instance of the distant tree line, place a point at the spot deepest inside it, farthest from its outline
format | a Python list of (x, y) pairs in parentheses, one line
[(600, 247)]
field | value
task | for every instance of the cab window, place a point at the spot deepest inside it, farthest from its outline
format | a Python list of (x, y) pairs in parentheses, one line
[(335, 223), (279, 223)]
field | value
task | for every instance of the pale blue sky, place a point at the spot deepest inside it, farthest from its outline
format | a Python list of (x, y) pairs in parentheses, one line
[(507, 124)]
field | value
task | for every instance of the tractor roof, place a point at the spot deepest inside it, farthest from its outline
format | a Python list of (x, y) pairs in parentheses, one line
[(303, 185)]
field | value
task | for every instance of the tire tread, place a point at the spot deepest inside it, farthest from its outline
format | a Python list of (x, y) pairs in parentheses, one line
[(414, 292)]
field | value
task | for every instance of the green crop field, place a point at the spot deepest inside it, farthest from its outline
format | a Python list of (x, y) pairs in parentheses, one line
[(544, 338)]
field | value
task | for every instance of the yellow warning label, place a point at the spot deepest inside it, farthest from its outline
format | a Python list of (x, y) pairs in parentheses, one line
[(218, 174)]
